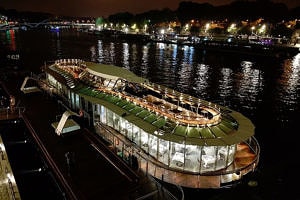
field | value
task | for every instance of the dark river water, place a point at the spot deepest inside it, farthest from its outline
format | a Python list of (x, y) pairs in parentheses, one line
[(265, 89)]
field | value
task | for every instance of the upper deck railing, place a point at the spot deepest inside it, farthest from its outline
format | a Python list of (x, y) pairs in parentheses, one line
[(172, 110)]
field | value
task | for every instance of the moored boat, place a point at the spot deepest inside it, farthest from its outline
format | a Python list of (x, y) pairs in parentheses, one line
[(171, 136)]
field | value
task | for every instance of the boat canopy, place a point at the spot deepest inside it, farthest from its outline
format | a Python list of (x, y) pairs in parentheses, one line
[(113, 72)]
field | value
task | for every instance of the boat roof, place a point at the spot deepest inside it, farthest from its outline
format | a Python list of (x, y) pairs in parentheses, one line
[(113, 72)]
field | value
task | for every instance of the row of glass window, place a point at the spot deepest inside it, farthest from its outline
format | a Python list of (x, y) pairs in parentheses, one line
[(174, 155)]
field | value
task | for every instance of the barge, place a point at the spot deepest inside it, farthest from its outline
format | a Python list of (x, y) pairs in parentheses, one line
[(174, 137)]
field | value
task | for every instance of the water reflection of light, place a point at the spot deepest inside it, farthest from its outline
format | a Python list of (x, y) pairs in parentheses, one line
[(184, 77), (161, 58), (145, 58), (225, 86), (201, 80), (105, 55), (126, 55), (111, 56), (188, 54), (100, 52), (134, 53), (250, 83), (166, 70), (184, 60), (296, 61), (246, 65), (10, 34), (174, 55), (93, 54), (192, 50), (290, 79), (58, 49)]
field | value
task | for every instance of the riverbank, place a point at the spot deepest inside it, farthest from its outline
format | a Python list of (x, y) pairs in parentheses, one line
[(222, 44)]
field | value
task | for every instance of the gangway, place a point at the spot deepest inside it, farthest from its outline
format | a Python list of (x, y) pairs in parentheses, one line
[(30, 89), (65, 124)]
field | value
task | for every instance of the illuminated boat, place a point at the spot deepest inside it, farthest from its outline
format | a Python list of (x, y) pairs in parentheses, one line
[(171, 136)]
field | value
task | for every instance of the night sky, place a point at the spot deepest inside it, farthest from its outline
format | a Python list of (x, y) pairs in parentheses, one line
[(96, 8)]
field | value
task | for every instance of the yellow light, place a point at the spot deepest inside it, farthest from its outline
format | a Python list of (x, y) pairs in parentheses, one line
[(133, 26)]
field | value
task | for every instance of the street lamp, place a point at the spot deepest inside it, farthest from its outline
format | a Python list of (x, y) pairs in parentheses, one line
[(252, 29), (207, 27)]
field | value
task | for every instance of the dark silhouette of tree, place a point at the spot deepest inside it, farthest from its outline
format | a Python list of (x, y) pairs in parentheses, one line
[(244, 30), (217, 31), (157, 16), (294, 13), (195, 30), (124, 17), (280, 30), (189, 10)]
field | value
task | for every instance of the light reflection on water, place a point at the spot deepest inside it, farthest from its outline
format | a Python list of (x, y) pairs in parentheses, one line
[(290, 80), (200, 83), (250, 84), (225, 84), (289, 90)]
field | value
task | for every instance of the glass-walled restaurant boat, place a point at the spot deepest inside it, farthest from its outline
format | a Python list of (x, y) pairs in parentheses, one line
[(171, 136)]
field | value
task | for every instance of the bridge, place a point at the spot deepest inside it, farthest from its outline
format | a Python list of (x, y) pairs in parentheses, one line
[(56, 24)]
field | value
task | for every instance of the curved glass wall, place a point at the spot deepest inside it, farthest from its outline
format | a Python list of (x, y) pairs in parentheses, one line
[(184, 157)]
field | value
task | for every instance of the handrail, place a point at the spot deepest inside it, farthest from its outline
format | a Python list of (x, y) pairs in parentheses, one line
[(48, 157), (161, 165)]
